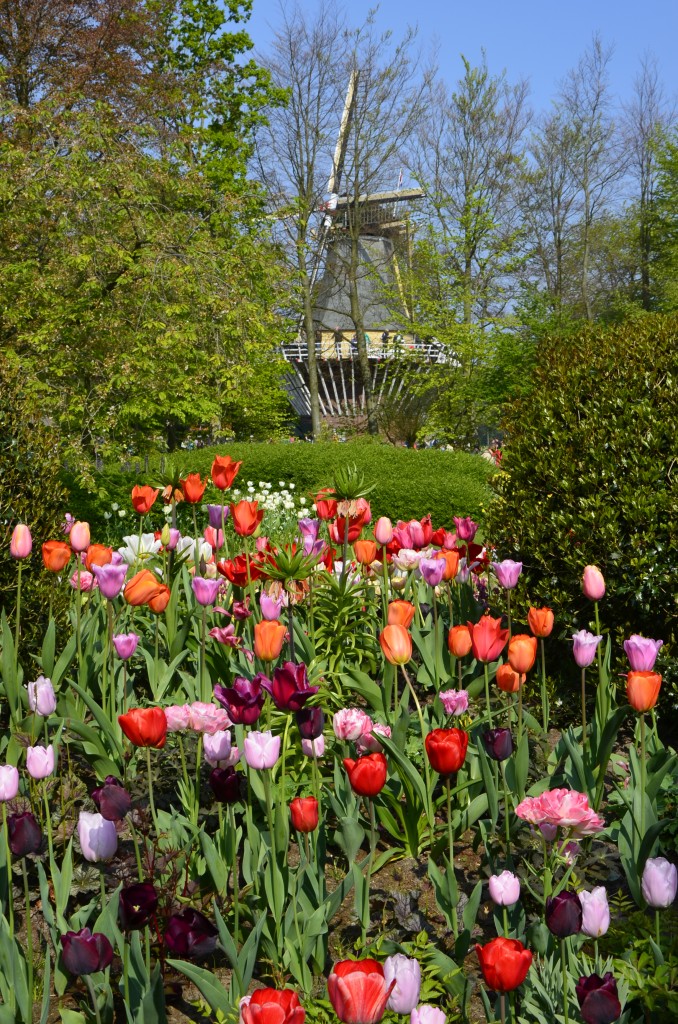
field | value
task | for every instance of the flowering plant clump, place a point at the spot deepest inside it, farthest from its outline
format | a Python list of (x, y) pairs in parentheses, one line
[(259, 709)]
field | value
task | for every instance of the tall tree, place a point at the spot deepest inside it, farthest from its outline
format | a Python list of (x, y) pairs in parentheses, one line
[(307, 59)]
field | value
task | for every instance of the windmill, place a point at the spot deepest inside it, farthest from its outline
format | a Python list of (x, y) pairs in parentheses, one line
[(381, 223)]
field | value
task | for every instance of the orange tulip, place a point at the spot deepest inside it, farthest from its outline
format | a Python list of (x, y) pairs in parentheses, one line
[(522, 652), (246, 517), (459, 641), (451, 563), (143, 498), (269, 636), (642, 689), (401, 613), (159, 601), (56, 554), (193, 488), (396, 644), (508, 680), (142, 588), (365, 551), (224, 471), (98, 554), (540, 621)]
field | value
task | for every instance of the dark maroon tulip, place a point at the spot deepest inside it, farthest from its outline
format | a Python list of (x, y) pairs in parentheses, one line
[(289, 689), (84, 952), (563, 914), (24, 834), (311, 722), (598, 999), (137, 905), (112, 799), (225, 783), (244, 700), (498, 743), (190, 934)]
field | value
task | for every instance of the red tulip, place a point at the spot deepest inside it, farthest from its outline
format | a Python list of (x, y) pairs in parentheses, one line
[(235, 570), (446, 750), (304, 813), (193, 488), (358, 991), (143, 498), (325, 505), (145, 727), (224, 471), (56, 554), (396, 644), (273, 1006), (488, 639), (367, 775), (504, 963), (246, 517)]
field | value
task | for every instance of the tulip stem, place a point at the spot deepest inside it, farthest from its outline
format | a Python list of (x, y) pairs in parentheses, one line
[(642, 777), (583, 710), (599, 655), (78, 603), (8, 855), (29, 938), (203, 629), (108, 662), (657, 929), (435, 639), (48, 823), (365, 923), (460, 670), (544, 698), (502, 1007), (450, 840), (563, 963), (508, 615), (151, 802), (506, 922), (487, 694), (234, 876), (17, 626), (427, 769), (93, 996), (125, 969), (196, 550), (137, 854), (507, 824), (290, 625), (195, 810)]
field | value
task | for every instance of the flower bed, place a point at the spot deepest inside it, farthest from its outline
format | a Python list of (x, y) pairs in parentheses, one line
[(309, 771)]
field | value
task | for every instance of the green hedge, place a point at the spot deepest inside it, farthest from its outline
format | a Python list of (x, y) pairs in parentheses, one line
[(409, 482)]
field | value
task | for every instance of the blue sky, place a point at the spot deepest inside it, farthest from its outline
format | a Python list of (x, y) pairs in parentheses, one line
[(535, 39)]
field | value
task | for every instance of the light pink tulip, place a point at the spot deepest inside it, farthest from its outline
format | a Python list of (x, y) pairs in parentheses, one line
[(40, 761)]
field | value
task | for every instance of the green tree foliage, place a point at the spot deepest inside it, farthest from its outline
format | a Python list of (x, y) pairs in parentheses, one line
[(137, 299), (590, 476), (665, 222)]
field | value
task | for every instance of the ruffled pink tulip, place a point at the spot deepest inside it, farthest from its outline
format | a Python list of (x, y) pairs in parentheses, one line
[(561, 808), (454, 702), (351, 724)]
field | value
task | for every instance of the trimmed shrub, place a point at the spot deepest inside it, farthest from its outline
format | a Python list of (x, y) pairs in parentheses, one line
[(590, 475), (409, 482)]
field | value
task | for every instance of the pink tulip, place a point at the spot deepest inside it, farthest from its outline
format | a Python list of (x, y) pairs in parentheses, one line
[(261, 749), (207, 718), (219, 751), (454, 702), (466, 528), (659, 883), (270, 606), (504, 889), (561, 808), (406, 972), (205, 590), (369, 741), (98, 837), (177, 717), (21, 543), (40, 761), (642, 652), (432, 570), (83, 580), (41, 697), (595, 912), (427, 1014), (383, 530), (584, 647), (351, 723), (593, 583), (313, 748), (79, 536), (125, 645), (508, 573), (9, 782)]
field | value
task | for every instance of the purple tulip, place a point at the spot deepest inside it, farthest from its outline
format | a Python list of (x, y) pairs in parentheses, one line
[(659, 883), (205, 591), (308, 528), (508, 573), (289, 689), (244, 700), (261, 749), (110, 578), (98, 837), (466, 528), (190, 934), (217, 748), (226, 784), (585, 646), (563, 914), (504, 889), (270, 606), (642, 652), (406, 973), (595, 919), (112, 799), (84, 952), (310, 722), (598, 999), (125, 645), (314, 747), (498, 743), (174, 538), (218, 514), (24, 834), (432, 570), (40, 761), (138, 904), (9, 782), (41, 697), (454, 702)]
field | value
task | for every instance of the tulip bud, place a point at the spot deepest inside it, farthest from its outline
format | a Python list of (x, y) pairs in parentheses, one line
[(406, 972), (261, 749), (112, 799), (595, 919), (165, 535), (396, 644), (190, 934), (659, 883), (593, 583), (584, 647), (383, 530), (24, 834), (269, 636), (41, 697), (598, 999), (563, 914), (498, 743), (454, 702), (642, 690), (225, 784), (304, 813), (21, 543), (85, 952), (125, 645), (9, 782), (313, 748), (79, 536), (507, 680), (459, 641), (40, 761), (98, 837), (522, 653)]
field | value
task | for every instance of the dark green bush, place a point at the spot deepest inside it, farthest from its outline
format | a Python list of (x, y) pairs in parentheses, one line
[(590, 475), (409, 482)]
